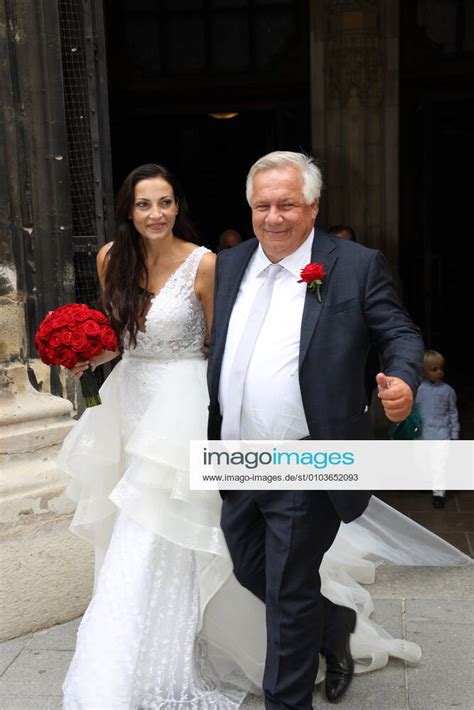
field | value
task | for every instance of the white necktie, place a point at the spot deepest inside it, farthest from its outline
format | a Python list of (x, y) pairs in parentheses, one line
[(233, 411)]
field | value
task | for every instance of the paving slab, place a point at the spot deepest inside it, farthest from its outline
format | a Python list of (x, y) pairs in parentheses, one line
[(389, 614), (10, 650), (424, 583), (57, 638), (449, 612), (444, 678), (29, 703), (40, 672)]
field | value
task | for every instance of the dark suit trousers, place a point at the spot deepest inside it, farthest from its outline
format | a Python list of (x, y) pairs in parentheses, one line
[(277, 540)]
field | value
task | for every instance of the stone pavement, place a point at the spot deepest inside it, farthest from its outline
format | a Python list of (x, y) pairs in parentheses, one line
[(432, 606)]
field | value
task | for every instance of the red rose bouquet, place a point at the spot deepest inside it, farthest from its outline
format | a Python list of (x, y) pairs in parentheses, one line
[(75, 333)]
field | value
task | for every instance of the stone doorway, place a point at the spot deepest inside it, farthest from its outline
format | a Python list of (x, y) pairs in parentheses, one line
[(177, 73)]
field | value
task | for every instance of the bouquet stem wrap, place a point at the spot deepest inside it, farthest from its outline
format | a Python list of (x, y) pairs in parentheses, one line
[(89, 388)]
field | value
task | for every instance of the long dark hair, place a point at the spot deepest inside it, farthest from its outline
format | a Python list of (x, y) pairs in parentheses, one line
[(124, 297)]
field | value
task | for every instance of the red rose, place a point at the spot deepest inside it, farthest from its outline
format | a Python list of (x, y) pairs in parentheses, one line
[(80, 312), (59, 321), (46, 327), (312, 272), (79, 341), (313, 275), (68, 360), (55, 339), (64, 357), (91, 328), (51, 357), (66, 336), (42, 351), (108, 339), (94, 349), (100, 317)]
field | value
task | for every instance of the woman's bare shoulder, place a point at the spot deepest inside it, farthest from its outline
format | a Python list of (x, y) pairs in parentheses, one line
[(204, 284), (104, 250), (101, 260), (207, 262)]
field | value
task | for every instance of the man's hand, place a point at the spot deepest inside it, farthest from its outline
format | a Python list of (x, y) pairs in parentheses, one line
[(396, 397)]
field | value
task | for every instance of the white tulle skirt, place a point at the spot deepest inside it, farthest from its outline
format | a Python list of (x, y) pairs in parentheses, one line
[(169, 626)]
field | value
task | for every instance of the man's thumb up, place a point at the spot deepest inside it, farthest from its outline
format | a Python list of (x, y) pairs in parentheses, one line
[(396, 397), (383, 381)]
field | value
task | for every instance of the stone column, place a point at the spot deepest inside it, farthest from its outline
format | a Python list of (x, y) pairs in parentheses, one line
[(40, 558), (354, 85), (46, 572)]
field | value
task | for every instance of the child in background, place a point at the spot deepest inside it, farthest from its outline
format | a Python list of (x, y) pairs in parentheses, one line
[(436, 403)]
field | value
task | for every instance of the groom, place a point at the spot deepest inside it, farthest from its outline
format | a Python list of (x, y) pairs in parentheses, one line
[(287, 363)]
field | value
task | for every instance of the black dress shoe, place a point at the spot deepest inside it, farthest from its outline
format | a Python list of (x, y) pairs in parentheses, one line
[(439, 501), (339, 663)]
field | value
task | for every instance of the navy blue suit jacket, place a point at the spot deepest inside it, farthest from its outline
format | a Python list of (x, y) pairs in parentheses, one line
[(360, 308)]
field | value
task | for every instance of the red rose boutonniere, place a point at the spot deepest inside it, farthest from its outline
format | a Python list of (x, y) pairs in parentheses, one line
[(313, 275)]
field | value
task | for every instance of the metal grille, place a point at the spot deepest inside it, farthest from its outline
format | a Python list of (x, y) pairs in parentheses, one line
[(78, 112)]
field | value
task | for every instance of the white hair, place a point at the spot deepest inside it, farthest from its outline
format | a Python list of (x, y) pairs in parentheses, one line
[(305, 164)]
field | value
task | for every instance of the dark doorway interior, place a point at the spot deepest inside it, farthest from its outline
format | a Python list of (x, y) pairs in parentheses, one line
[(173, 64), (437, 154)]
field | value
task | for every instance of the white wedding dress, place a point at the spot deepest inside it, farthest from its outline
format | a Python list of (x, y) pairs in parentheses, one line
[(169, 626)]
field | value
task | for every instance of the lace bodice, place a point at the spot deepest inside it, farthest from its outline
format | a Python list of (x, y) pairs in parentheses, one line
[(174, 326)]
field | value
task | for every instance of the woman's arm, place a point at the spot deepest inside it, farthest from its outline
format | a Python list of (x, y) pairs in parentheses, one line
[(204, 286), (102, 262), (105, 355)]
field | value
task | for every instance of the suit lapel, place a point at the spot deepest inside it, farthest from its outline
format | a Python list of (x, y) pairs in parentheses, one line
[(321, 253), (232, 285)]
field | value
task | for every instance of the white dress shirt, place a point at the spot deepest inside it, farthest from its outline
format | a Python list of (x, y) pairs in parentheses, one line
[(272, 407)]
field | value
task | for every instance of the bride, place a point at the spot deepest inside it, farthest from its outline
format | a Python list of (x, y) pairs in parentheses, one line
[(169, 626)]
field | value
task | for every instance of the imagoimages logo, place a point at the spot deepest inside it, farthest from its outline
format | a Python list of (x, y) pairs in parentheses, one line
[(254, 459)]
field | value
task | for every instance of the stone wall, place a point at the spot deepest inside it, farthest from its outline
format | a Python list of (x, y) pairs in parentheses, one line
[(46, 571)]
